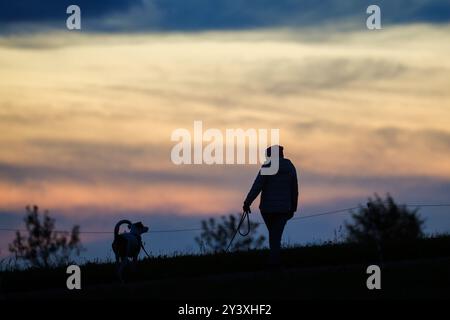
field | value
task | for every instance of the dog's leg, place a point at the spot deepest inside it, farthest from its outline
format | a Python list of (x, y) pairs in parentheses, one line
[(118, 264), (121, 269), (122, 259), (118, 268), (134, 264)]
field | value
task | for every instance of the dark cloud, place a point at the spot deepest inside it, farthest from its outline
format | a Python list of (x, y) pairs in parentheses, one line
[(50, 173), (195, 15), (284, 77), (407, 187), (432, 139), (54, 10), (433, 11), (103, 162)]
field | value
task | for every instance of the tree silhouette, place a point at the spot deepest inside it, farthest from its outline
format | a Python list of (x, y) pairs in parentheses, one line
[(44, 246), (216, 235), (383, 221)]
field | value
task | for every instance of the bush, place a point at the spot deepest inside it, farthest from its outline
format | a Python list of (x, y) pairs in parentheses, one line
[(44, 247), (383, 221), (216, 236)]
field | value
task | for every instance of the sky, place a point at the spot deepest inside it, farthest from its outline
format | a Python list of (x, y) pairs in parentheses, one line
[(86, 116)]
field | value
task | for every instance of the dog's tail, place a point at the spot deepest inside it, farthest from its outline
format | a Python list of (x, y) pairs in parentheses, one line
[(118, 224)]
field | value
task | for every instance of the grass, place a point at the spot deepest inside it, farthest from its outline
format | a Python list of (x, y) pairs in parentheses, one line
[(333, 270)]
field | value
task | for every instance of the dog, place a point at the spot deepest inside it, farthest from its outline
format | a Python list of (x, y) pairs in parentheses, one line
[(127, 245)]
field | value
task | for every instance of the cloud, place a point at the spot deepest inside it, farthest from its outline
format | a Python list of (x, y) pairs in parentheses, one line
[(54, 10), (119, 176), (200, 15), (435, 140), (88, 118), (321, 73)]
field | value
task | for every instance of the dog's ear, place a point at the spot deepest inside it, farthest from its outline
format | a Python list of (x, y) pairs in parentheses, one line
[(139, 225)]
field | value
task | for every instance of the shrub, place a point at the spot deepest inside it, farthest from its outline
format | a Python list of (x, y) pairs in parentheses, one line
[(383, 221), (44, 246), (216, 236)]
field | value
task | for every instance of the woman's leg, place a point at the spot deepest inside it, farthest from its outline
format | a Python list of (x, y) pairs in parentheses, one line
[(275, 225)]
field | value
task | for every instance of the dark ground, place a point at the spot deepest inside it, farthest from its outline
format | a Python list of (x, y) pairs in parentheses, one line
[(333, 271)]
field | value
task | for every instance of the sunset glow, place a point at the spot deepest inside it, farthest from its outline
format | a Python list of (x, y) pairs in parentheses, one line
[(86, 118)]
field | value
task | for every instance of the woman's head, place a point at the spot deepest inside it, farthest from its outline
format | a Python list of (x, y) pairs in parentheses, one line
[(272, 149)]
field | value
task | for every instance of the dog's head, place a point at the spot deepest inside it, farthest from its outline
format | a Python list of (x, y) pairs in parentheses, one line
[(139, 228)]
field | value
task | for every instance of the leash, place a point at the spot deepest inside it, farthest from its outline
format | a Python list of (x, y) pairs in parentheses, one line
[(244, 216), (143, 248), (238, 229)]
